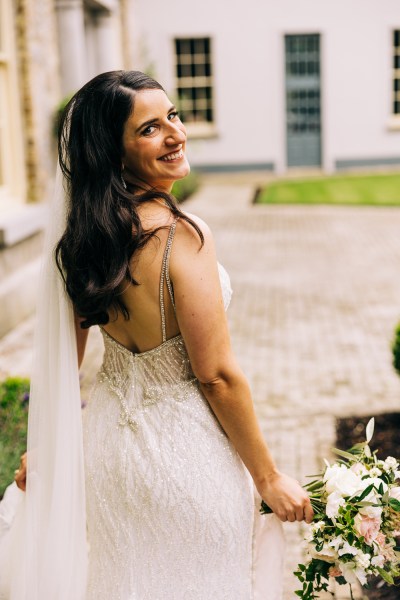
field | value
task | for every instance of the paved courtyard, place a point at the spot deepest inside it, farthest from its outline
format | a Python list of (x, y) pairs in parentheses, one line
[(316, 299)]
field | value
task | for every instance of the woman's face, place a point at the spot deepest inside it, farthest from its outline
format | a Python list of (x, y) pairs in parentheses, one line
[(154, 142)]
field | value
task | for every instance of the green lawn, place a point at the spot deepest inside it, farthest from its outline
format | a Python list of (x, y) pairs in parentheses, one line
[(377, 189)]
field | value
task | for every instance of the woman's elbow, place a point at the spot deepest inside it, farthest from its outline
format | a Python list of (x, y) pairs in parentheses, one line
[(218, 379)]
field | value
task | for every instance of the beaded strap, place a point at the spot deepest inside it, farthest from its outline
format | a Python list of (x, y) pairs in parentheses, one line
[(165, 275)]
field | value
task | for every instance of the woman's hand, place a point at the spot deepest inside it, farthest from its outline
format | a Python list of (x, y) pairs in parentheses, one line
[(20, 474), (286, 498)]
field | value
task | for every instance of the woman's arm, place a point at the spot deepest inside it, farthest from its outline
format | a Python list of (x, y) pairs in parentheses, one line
[(81, 338), (203, 324)]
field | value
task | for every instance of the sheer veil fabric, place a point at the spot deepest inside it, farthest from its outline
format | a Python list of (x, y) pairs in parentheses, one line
[(49, 549)]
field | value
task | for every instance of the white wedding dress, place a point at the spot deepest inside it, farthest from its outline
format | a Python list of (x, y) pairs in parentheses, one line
[(171, 509)]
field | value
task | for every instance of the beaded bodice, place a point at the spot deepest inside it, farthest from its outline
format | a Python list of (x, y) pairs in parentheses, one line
[(140, 380)]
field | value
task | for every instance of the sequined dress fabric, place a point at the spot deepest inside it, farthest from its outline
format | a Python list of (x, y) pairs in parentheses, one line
[(170, 505)]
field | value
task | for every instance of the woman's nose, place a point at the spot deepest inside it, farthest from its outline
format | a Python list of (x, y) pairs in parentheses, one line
[(175, 135)]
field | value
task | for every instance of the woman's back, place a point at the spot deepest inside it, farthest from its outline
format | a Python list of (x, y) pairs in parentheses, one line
[(143, 330)]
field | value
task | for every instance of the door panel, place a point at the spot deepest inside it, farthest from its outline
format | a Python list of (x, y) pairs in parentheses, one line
[(303, 100)]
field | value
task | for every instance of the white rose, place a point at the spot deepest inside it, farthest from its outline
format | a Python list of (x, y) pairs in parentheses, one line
[(348, 549), (373, 512), (361, 575), (395, 492), (340, 479), (327, 554), (335, 500), (378, 561), (375, 472), (377, 483), (318, 526), (390, 464), (358, 469), (363, 560), (348, 570), (336, 542)]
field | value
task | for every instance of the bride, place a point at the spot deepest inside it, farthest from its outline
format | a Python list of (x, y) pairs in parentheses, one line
[(164, 472)]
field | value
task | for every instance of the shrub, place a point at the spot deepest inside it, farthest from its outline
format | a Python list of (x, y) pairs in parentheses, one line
[(183, 188), (58, 113), (396, 349), (14, 400)]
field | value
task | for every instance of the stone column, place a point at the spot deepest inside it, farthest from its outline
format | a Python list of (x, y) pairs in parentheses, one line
[(72, 47), (108, 42)]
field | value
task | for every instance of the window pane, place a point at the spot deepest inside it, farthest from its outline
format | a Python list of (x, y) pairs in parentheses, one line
[(199, 46), (194, 71)]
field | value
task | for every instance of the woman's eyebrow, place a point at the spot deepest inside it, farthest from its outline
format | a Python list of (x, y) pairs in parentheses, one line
[(155, 119)]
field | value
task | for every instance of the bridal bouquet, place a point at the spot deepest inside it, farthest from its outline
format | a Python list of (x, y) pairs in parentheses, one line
[(356, 502)]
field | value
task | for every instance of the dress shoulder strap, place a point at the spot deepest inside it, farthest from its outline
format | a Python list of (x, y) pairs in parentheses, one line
[(165, 277)]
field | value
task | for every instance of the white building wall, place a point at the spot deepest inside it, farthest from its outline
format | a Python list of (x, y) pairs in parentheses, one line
[(249, 78)]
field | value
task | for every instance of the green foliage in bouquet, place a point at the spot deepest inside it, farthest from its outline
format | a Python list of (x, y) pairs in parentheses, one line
[(14, 400)]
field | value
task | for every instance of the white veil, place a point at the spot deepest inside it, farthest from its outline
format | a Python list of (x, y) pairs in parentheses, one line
[(50, 556)]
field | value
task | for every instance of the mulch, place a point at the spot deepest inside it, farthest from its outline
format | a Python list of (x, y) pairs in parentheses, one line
[(386, 441)]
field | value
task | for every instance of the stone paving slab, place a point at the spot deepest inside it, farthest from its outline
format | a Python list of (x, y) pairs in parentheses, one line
[(316, 299)]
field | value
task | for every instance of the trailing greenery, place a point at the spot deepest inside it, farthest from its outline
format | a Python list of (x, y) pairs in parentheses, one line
[(370, 189), (183, 188), (14, 400), (396, 349)]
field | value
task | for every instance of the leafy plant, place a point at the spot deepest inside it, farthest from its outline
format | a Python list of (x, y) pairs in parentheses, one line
[(58, 112), (396, 349), (14, 401), (183, 188)]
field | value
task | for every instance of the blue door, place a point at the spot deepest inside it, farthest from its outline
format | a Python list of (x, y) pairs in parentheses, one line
[(303, 100)]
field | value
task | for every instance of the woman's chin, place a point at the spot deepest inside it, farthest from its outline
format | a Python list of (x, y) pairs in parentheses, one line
[(186, 170)]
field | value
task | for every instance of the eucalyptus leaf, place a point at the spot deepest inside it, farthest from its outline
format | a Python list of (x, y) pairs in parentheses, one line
[(343, 453), (385, 575)]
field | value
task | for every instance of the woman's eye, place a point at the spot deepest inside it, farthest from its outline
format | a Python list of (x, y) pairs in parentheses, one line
[(173, 115), (149, 130)]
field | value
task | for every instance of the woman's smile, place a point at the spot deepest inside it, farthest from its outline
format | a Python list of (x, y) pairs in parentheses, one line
[(173, 156)]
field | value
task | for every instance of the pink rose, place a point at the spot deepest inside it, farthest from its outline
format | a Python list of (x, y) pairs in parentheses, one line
[(380, 539), (334, 572), (368, 527)]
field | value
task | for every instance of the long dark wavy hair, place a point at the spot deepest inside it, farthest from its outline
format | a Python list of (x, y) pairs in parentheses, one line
[(103, 228)]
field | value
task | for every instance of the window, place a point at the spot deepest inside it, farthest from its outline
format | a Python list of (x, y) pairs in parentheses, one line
[(396, 73), (12, 174), (194, 83)]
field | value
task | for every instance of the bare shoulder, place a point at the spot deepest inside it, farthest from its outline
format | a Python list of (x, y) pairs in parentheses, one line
[(188, 235), (154, 215)]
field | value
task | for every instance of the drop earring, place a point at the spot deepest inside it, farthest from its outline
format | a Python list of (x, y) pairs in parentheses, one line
[(122, 178)]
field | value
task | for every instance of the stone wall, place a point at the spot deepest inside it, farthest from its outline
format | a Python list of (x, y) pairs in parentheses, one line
[(40, 90)]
